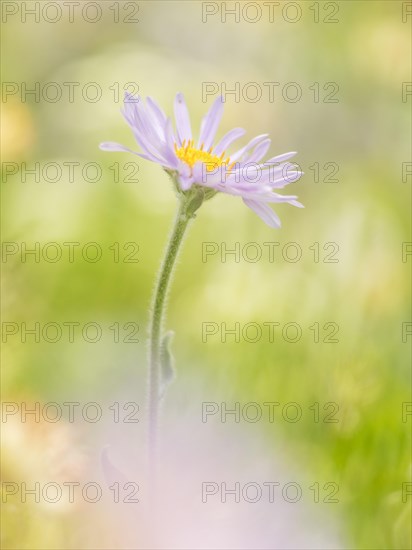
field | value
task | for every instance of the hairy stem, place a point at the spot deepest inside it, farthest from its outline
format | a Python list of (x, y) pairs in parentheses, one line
[(156, 323)]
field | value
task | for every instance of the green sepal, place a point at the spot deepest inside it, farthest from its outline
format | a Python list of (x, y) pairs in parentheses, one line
[(194, 200)]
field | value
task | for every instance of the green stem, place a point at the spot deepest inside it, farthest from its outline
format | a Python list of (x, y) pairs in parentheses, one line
[(160, 296)]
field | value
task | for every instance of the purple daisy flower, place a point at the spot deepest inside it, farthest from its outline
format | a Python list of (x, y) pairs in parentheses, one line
[(206, 166)]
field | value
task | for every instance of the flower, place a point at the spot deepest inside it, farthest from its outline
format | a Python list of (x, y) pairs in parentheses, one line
[(204, 166)]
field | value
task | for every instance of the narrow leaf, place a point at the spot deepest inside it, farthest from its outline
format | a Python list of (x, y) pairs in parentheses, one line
[(166, 362)]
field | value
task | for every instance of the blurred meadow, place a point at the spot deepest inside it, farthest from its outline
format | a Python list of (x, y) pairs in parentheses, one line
[(352, 150)]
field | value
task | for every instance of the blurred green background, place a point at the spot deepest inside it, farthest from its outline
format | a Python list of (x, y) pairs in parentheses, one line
[(366, 134)]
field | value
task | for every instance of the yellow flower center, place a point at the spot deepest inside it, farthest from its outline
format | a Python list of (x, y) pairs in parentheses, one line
[(190, 155)]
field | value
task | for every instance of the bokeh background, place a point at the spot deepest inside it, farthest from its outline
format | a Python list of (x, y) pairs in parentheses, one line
[(364, 208)]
